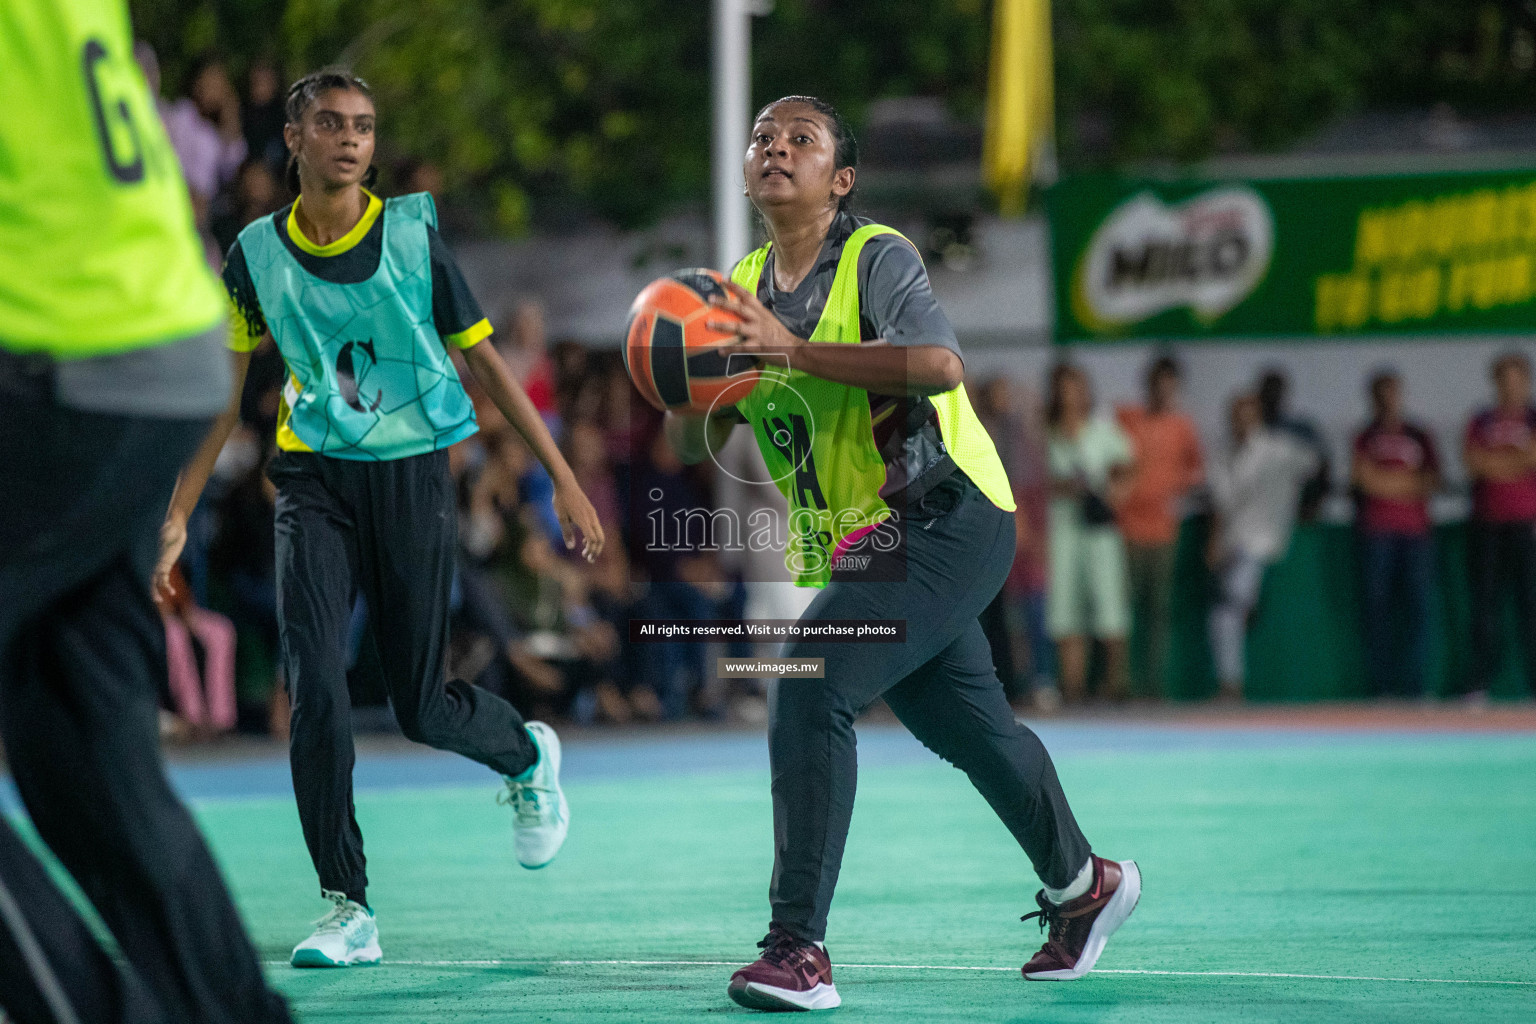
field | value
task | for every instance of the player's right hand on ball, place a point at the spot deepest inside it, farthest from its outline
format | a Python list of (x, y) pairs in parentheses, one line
[(173, 537)]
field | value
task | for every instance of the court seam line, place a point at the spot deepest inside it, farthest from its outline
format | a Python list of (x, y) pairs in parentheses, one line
[(937, 967)]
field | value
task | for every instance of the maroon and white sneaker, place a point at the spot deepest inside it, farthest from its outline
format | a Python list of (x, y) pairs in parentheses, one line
[(1078, 929), (792, 974)]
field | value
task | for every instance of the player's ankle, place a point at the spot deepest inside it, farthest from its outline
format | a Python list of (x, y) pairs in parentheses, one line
[(1073, 889)]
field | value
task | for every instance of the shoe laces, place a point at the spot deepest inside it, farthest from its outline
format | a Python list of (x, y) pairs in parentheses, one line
[(343, 913), (527, 801), (780, 948), (1052, 921)]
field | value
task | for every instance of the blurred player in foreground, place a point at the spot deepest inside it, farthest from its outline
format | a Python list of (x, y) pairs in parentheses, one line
[(111, 371), (870, 430), (364, 302)]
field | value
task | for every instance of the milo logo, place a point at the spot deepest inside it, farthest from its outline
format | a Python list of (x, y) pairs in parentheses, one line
[(1207, 253)]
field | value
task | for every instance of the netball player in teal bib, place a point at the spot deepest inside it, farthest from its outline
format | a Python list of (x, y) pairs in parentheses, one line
[(364, 303)]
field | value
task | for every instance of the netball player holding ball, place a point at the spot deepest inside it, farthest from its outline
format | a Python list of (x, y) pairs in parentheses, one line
[(870, 423)]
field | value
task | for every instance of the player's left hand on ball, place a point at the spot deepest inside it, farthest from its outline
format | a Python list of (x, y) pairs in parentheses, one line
[(574, 511), (758, 330)]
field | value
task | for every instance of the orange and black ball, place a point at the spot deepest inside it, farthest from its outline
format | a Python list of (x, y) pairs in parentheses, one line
[(676, 361)]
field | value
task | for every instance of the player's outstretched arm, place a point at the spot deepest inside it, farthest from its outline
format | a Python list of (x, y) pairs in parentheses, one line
[(194, 477), (572, 507)]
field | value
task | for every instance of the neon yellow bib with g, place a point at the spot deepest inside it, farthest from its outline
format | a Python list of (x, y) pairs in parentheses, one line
[(98, 253), (818, 441)]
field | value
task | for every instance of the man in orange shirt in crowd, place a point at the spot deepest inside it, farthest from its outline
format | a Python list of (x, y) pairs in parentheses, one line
[(1168, 466)]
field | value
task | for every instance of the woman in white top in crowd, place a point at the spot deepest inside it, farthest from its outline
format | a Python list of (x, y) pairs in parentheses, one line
[(1090, 466), (1255, 487)]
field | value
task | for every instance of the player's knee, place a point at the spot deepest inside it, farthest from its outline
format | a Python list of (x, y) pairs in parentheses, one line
[(425, 727), (804, 717), (803, 700), (411, 726)]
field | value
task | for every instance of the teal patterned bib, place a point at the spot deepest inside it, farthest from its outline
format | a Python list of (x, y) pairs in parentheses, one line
[(371, 378)]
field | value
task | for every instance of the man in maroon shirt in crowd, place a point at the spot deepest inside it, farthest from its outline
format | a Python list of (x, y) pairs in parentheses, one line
[(1500, 454), (1395, 470)]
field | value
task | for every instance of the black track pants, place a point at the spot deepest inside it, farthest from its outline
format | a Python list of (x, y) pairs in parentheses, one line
[(82, 662), (387, 530), (1501, 560), (940, 683)]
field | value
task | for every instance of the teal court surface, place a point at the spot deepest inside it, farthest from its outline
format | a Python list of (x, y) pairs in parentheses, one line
[(1335, 866)]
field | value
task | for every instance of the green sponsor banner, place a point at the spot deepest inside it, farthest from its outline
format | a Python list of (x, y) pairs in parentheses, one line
[(1294, 257)]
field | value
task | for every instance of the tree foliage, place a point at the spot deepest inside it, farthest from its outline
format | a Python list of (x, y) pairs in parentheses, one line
[(1180, 79), (566, 108), (532, 101)]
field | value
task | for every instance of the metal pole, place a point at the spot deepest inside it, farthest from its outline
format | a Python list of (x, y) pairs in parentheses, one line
[(732, 107)]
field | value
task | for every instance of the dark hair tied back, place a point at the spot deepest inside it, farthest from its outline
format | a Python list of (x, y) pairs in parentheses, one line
[(846, 152), (302, 95)]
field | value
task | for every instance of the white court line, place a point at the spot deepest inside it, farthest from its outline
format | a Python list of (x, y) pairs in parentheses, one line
[(932, 967), (1314, 977)]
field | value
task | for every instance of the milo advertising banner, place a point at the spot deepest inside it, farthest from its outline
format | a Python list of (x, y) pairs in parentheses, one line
[(1294, 257)]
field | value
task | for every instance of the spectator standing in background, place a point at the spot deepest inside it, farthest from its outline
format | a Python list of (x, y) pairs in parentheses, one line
[(1500, 456), (1168, 466), (204, 128), (1255, 486), (993, 401), (1394, 470), (1012, 415), (257, 193), (527, 354), (1030, 577), (262, 115), (1090, 464), (1274, 401)]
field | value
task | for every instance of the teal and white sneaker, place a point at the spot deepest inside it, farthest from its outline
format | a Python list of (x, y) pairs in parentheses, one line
[(348, 936), (540, 815)]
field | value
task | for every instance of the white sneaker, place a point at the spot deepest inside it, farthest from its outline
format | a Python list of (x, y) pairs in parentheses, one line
[(348, 936), (540, 815)]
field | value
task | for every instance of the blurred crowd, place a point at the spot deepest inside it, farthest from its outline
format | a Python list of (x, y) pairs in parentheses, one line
[(1103, 494)]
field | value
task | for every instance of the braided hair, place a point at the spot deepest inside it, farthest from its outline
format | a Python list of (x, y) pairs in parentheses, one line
[(303, 94)]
